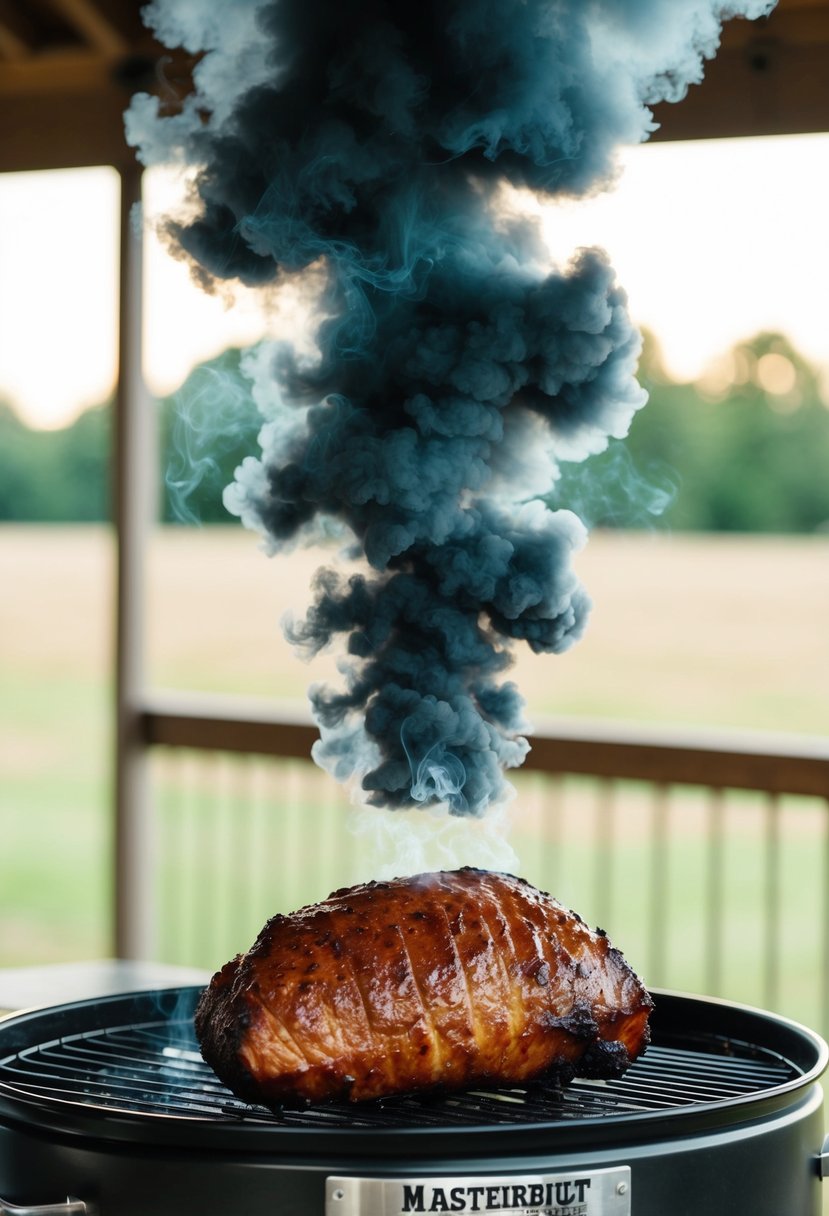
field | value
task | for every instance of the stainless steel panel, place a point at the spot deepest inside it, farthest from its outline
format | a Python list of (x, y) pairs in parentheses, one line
[(578, 1193)]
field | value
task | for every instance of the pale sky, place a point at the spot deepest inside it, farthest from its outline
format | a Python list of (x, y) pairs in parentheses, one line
[(713, 242)]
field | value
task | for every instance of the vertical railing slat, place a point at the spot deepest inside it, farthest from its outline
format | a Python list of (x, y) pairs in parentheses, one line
[(242, 813), (184, 935), (772, 911), (659, 895), (551, 794), (604, 859), (179, 866), (260, 910), (714, 904), (289, 813)]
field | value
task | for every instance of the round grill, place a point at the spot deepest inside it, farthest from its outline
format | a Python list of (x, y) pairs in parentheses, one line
[(133, 1070), (110, 1100), (136, 1057)]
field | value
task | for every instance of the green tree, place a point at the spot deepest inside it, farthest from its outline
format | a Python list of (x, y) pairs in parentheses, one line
[(55, 476), (746, 450)]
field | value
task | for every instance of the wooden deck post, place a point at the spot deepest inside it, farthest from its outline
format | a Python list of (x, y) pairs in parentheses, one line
[(133, 466)]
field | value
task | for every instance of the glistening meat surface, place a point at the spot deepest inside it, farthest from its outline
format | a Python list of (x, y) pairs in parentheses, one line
[(442, 980)]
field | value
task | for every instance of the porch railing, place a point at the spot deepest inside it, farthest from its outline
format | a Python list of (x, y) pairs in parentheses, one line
[(706, 856)]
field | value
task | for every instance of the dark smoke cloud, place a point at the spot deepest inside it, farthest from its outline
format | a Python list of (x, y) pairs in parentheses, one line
[(369, 145)]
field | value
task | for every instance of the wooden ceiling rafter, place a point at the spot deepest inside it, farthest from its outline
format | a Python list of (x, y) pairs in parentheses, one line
[(18, 38), (58, 74), (769, 77), (799, 24), (67, 71), (104, 25), (69, 67)]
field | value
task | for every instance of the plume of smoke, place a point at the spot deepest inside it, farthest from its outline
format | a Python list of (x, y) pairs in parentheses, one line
[(421, 840), (365, 144)]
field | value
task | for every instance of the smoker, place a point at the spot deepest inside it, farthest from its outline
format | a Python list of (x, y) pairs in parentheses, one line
[(107, 1109)]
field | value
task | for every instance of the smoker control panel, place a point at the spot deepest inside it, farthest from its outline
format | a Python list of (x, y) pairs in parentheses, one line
[(577, 1193)]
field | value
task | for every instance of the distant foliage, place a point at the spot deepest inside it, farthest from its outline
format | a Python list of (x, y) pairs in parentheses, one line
[(55, 476), (63, 476), (746, 449)]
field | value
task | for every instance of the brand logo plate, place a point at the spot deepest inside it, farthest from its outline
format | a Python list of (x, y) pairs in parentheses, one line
[(576, 1193)]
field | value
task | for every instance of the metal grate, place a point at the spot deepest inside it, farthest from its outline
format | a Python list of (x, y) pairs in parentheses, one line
[(155, 1068)]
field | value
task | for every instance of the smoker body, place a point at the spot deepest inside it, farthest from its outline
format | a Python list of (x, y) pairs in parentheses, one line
[(764, 1169), (158, 1134)]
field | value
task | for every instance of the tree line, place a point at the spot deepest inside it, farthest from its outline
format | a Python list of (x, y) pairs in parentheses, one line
[(743, 450)]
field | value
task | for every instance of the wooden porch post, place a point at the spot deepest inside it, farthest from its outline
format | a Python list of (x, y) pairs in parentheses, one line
[(133, 473)]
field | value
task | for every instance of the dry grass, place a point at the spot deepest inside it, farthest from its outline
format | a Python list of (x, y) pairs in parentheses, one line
[(713, 631)]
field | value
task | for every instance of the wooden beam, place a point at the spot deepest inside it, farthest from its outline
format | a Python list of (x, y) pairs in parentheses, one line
[(777, 765), (233, 724), (17, 35), (723, 760), (134, 448), (769, 78), (54, 73), (79, 130), (90, 19), (11, 47), (62, 110), (123, 17), (778, 91), (788, 26)]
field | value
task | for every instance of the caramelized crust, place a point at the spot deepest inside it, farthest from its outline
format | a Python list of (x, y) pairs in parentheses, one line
[(439, 981)]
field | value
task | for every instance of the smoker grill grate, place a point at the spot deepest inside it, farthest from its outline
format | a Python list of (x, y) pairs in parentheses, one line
[(155, 1068)]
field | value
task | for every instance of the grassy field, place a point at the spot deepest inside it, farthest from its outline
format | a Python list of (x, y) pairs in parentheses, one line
[(721, 631)]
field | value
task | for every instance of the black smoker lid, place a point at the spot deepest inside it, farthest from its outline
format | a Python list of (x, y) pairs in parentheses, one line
[(127, 1068)]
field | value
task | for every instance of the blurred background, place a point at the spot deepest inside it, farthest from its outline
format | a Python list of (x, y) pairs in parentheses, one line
[(707, 565)]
